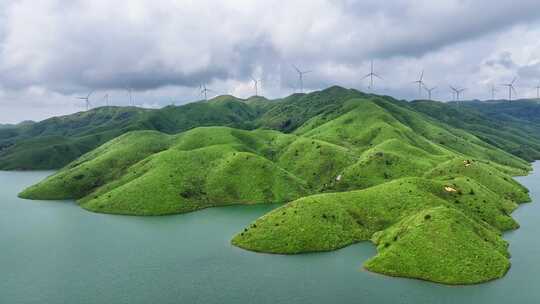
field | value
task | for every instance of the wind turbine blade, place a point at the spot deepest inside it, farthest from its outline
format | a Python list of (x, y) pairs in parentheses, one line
[(514, 90), (307, 72), (377, 76), (366, 76), (297, 69), (422, 76), (514, 80)]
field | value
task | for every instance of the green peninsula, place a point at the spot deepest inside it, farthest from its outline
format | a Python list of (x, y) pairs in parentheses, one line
[(347, 167)]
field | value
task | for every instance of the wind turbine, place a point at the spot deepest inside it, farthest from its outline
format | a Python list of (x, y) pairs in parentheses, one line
[(457, 92), (454, 93), (106, 97), (510, 88), (256, 85), (429, 91), (493, 91), (129, 92), (420, 82), (460, 91), (537, 91), (301, 77), (87, 100), (370, 75), (204, 91)]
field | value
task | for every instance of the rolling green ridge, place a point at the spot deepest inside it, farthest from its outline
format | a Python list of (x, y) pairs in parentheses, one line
[(512, 126), (53, 143), (348, 167)]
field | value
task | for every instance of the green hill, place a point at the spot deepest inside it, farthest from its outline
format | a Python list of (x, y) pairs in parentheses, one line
[(413, 247), (53, 143), (151, 173), (330, 221), (513, 127), (349, 167)]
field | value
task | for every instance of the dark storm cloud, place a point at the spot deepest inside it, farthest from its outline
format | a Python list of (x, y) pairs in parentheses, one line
[(115, 50)]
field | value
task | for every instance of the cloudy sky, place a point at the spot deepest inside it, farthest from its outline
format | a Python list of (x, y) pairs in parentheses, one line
[(52, 51)]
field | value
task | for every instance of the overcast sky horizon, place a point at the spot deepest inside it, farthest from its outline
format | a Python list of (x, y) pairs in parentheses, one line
[(52, 51)]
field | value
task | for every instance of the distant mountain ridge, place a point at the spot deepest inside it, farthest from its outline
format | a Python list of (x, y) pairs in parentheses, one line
[(54, 142)]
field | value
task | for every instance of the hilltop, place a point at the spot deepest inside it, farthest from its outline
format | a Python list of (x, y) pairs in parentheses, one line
[(512, 126), (53, 143), (347, 166)]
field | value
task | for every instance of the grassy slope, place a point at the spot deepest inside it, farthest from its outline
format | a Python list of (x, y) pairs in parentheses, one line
[(290, 113), (150, 173), (383, 162), (101, 166), (513, 127), (440, 245), (56, 141), (291, 228), (394, 143), (53, 143)]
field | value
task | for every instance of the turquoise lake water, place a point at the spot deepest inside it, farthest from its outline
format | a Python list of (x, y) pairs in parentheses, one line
[(56, 252)]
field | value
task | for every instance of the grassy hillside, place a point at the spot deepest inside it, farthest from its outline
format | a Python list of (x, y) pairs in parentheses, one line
[(350, 167), (513, 127), (413, 247), (330, 221), (53, 143), (151, 173)]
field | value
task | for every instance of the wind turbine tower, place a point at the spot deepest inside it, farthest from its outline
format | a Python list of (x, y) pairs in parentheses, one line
[(454, 93), (87, 100), (420, 83), (204, 91), (106, 97), (429, 91), (130, 94), (301, 77), (460, 92), (493, 91), (256, 85), (371, 75), (510, 88), (457, 92), (537, 91)]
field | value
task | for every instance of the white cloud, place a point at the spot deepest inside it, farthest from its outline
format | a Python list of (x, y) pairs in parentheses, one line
[(165, 49)]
